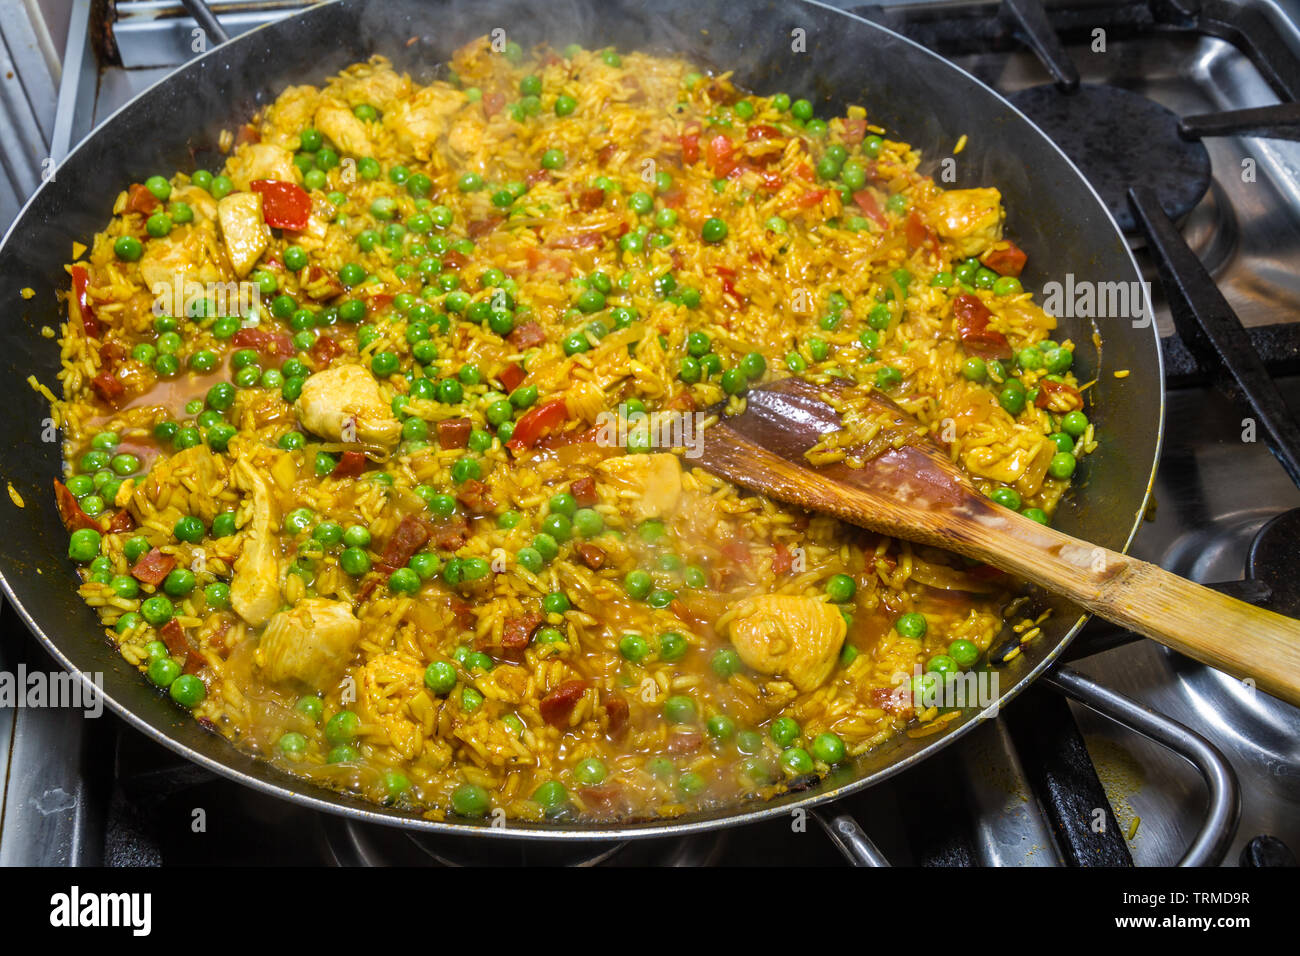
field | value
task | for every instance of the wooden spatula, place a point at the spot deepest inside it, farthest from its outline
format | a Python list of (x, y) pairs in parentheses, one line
[(916, 492)]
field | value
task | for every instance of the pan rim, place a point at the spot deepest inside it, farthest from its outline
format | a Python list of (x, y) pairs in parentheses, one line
[(303, 793)]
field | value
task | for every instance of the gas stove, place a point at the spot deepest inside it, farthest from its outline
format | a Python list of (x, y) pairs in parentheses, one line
[(1128, 755)]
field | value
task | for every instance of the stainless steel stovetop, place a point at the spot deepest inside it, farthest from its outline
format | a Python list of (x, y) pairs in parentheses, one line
[(80, 791)]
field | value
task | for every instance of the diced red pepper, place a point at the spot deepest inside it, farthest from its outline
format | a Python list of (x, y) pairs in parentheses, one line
[(247, 134), (1006, 259), (80, 284), (173, 635), (492, 103), (556, 706), (537, 422), (284, 205), (351, 464), (511, 376), (973, 328), (153, 567), (451, 259), (811, 198), (782, 559), (139, 199), (70, 510), (916, 231), (866, 201)]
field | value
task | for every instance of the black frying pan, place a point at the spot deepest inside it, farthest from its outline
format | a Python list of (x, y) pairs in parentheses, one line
[(916, 95)]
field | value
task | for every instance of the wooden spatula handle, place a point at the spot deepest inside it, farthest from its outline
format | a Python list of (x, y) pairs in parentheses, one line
[(1245, 641)]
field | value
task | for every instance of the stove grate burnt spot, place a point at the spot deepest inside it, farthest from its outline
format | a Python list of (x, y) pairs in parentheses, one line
[(1274, 557), (1118, 138)]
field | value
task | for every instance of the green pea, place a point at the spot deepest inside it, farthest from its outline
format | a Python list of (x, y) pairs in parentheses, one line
[(156, 610), (840, 588), (964, 652), (638, 585), (784, 731), (163, 671), (1074, 423), (796, 762), (828, 748), (713, 230), (1062, 465), (725, 662), (1006, 497), (354, 561), (912, 625), (679, 709), (633, 647), (470, 800)]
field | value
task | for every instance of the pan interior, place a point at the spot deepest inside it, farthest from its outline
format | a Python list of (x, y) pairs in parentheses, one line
[(804, 49)]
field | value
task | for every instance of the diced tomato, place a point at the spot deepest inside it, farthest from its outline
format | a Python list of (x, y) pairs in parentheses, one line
[(690, 148), (492, 103), (592, 556), (854, 130), (264, 341), (719, 153), (1058, 396), (351, 464), (121, 522), (247, 134), (973, 328), (451, 259), (772, 181), (173, 635), (140, 199), (782, 560), (1006, 259), (866, 201), (578, 240), (284, 205), (70, 511), (324, 351), (556, 706), (761, 131), (537, 422)]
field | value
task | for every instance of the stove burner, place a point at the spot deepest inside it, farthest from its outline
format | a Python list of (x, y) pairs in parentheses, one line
[(1274, 555), (1118, 139), (354, 844)]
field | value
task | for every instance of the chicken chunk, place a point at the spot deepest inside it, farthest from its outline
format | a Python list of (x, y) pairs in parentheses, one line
[(347, 132), (255, 589), (261, 161), (243, 229), (969, 218), (419, 121), (798, 638), (186, 483), (183, 257), (346, 398), (376, 85), (291, 112), (309, 644), (651, 484)]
